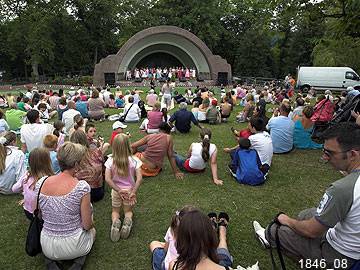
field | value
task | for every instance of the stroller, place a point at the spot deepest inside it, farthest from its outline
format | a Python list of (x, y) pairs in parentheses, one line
[(342, 115)]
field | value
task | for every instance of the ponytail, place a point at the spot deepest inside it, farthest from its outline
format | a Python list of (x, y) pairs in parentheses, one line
[(205, 135), (5, 140), (79, 121)]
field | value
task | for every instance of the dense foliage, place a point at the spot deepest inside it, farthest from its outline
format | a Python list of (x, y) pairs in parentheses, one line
[(258, 38)]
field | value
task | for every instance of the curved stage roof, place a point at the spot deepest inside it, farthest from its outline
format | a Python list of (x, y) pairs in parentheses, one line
[(176, 42)]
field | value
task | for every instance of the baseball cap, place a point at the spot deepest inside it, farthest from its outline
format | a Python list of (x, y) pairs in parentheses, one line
[(118, 124)]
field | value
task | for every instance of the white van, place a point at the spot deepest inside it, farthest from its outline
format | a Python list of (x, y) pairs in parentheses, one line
[(332, 78)]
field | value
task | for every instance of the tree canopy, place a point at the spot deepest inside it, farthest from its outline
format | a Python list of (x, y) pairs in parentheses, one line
[(258, 38)]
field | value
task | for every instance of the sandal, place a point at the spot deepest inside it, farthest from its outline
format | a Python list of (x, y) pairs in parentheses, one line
[(213, 218), (235, 132), (126, 228), (223, 219), (115, 230)]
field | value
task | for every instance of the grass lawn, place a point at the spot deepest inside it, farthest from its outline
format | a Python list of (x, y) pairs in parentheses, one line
[(296, 181)]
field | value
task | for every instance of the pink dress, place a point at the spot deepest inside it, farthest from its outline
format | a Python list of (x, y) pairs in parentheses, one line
[(187, 73)]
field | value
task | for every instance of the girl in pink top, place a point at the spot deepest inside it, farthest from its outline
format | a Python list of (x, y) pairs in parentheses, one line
[(112, 101), (165, 252), (39, 166), (123, 174)]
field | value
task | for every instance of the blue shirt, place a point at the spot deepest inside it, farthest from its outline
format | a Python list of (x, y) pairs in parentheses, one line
[(183, 119), (82, 108), (282, 132), (302, 137), (54, 162)]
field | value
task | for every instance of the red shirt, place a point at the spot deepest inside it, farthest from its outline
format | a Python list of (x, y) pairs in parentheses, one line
[(113, 135)]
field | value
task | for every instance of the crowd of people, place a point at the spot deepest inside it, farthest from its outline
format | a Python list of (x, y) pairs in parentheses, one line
[(66, 164), (161, 73)]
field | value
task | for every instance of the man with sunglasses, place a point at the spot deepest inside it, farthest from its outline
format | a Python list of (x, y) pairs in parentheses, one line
[(330, 234)]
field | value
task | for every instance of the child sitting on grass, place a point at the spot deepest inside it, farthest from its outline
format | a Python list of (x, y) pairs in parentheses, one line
[(246, 166), (39, 166), (165, 252), (123, 174), (50, 143)]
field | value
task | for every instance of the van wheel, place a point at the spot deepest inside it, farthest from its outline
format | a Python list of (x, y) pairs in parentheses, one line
[(305, 88)]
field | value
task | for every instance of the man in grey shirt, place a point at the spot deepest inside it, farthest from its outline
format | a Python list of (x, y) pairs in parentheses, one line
[(331, 232)]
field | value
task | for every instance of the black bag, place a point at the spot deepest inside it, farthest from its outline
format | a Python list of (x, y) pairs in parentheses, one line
[(318, 130), (123, 117), (33, 246)]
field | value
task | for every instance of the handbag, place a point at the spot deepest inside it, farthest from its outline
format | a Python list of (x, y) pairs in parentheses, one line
[(277, 241), (33, 245), (123, 117)]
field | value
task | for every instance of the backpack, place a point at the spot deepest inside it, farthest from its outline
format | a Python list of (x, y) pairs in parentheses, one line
[(247, 167)]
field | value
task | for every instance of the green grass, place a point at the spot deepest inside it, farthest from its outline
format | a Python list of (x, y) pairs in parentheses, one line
[(296, 181)]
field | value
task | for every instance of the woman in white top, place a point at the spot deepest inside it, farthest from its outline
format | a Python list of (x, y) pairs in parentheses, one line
[(198, 155), (3, 124), (132, 111), (12, 162)]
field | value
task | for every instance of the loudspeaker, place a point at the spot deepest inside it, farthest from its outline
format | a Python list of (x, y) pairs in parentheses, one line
[(109, 78), (138, 80), (182, 79), (222, 78), (200, 78)]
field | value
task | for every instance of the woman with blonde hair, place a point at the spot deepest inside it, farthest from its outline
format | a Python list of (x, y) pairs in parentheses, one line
[(68, 232), (123, 174), (12, 162), (90, 168), (39, 166)]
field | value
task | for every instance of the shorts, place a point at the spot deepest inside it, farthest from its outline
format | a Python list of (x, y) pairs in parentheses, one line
[(159, 254), (158, 259), (225, 259), (146, 171), (167, 99), (118, 201)]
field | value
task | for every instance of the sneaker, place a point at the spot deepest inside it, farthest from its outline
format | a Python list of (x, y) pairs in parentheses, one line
[(115, 231), (260, 234), (231, 171), (126, 228)]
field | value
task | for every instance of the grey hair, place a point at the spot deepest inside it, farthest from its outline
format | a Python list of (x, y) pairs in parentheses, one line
[(70, 154), (183, 105)]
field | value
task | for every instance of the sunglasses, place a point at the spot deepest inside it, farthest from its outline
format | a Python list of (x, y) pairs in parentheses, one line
[(330, 153)]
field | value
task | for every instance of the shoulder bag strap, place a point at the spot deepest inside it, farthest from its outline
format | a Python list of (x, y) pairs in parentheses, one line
[(278, 244), (36, 211), (128, 111)]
